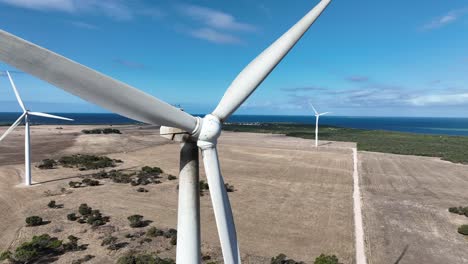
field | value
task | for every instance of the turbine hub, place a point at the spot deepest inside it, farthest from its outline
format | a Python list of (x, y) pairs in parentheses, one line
[(209, 132)]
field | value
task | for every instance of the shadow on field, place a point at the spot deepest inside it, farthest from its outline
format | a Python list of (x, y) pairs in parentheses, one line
[(402, 255)]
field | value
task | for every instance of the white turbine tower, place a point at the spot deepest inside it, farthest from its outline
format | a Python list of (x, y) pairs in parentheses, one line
[(317, 117), (199, 132), (27, 142)]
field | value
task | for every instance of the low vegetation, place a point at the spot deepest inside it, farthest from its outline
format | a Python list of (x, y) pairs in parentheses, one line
[(283, 259), (47, 164), (34, 221), (101, 131), (87, 162), (139, 258), (53, 205), (169, 233), (41, 247), (326, 259), (137, 221), (463, 229), (203, 187), (450, 148), (83, 259), (80, 161), (89, 216), (459, 210)]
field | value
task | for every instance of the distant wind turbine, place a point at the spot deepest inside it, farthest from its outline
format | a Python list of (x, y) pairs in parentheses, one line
[(27, 142), (317, 117)]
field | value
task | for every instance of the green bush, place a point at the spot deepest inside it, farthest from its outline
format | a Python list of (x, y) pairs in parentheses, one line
[(90, 182), (47, 164), (85, 210), (229, 188), (34, 221), (459, 210), (151, 170), (101, 131), (283, 259), (463, 229), (326, 259), (144, 259), (87, 162), (83, 259), (39, 246), (171, 177), (52, 204), (119, 177), (72, 217), (136, 221), (74, 184), (141, 189), (72, 244), (5, 255), (203, 187), (154, 232)]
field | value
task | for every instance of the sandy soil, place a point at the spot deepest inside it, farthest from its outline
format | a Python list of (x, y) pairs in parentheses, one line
[(290, 198), (405, 209)]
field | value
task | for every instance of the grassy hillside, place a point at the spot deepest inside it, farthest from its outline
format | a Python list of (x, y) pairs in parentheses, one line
[(450, 148)]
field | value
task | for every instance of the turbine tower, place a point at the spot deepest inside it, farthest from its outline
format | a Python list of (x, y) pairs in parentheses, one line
[(317, 117), (27, 141), (198, 132)]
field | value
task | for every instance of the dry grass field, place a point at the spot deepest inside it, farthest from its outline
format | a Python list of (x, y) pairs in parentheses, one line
[(405, 202), (289, 198)]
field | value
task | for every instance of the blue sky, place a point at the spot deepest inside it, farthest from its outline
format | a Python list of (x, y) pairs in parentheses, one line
[(361, 58)]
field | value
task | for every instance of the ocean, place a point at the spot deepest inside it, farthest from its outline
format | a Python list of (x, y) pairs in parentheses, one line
[(421, 125)]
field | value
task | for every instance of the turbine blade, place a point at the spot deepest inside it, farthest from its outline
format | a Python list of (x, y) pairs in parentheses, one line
[(221, 207), (16, 92), (326, 113), (91, 85), (254, 74), (315, 110), (12, 127), (49, 116)]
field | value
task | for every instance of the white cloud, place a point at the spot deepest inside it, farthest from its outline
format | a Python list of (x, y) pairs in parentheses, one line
[(112, 8), (215, 36), (446, 19), (215, 19), (440, 99)]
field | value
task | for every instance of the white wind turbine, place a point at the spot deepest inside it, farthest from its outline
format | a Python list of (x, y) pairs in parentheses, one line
[(317, 117), (202, 132), (27, 142)]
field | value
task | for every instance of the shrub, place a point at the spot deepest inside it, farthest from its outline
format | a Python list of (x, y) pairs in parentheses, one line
[(101, 131), (141, 189), (326, 259), (5, 255), (119, 177), (229, 188), (143, 259), (72, 245), (136, 221), (90, 182), (85, 210), (34, 221), (73, 184), (87, 162), (39, 246), (283, 259), (154, 232), (171, 177), (52, 204), (463, 229), (109, 240), (459, 210), (203, 187), (95, 218), (47, 164), (151, 170), (100, 175), (72, 217), (83, 259)]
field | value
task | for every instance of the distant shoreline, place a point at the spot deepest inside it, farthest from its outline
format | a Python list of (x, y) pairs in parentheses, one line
[(418, 125)]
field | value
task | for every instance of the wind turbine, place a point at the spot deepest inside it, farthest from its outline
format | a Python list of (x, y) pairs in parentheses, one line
[(27, 142), (317, 117), (199, 132)]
